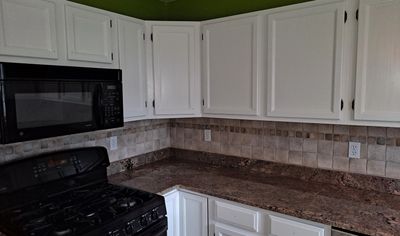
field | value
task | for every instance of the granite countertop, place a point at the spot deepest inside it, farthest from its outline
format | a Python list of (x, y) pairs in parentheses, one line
[(364, 211)]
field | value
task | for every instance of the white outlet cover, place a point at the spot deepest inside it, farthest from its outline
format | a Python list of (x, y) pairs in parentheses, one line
[(354, 150), (207, 135), (113, 143)]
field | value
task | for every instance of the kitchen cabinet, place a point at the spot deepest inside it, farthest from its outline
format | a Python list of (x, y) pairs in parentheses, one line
[(91, 35), (28, 28), (230, 67), (194, 217), (305, 57), (133, 65), (378, 71), (197, 214), (176, 68)]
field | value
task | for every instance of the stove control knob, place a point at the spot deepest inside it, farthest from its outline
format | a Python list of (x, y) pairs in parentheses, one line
[(143, 221), (154, 215)]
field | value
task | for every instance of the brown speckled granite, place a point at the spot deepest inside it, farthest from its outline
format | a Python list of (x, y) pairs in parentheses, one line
[(364, 211)]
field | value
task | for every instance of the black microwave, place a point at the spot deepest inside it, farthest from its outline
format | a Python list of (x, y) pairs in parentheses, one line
[(41, 101)]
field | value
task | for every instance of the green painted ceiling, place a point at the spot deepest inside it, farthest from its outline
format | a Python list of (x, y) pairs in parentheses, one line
[(185, 9)]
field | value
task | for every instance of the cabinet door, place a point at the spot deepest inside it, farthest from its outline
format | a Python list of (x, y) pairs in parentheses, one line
[(175, 76), (194, 218), (230, 67), (220, 230), (378, 69), (284, 227), (172, 205), (89, 35), (132, 63), (305, 56), (27, 28)]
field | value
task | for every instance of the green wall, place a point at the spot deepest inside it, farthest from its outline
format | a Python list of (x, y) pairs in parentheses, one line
[(185, 9)]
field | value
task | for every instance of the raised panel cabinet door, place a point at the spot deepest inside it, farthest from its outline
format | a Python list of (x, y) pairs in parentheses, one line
[(28, 28), (194, 217), (172, 205), (230, 67), (305, 57), (221, 230), (132, 64), (284, 227), (89, 35), (378, 61), (174, 70)]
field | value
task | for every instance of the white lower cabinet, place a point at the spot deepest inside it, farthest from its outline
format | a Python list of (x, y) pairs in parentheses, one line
[(191, 214)]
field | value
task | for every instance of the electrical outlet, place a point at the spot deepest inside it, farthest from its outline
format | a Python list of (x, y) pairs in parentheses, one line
[(354, 150), (113, 143), (207, 135)]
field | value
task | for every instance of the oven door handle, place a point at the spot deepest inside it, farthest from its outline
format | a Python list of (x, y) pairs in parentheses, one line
[(159, 229)]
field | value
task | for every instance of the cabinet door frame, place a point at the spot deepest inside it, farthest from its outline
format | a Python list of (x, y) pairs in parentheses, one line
[(193, 32), (335, 111), (9, 50), (109, 24), (183, 196), (255, 76), (360, 112), (139, 112)]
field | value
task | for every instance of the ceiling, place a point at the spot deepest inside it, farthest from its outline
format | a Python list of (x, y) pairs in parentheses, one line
[(188, 10)]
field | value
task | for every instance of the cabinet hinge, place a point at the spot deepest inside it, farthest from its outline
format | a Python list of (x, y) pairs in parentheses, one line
[(110, 23), (341, 105), (112, 56), (151, 37), (353, 103), (145, 104), (154, 103), (357, 15), (345, 16)]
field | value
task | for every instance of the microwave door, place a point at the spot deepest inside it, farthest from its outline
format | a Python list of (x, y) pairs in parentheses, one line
[(40, 109)]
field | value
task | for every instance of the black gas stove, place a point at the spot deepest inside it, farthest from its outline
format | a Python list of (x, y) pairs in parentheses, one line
[(67, 194)]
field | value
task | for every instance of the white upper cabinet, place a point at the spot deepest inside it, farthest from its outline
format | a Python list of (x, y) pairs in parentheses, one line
[(28, 28), (132, 63), (378, 61), (305, 57), (194, 216), (89, 35), (230, 75), (176, 68)]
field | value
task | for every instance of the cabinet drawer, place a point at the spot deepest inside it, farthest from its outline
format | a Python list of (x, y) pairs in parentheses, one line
[(283, 227), (236, 216)]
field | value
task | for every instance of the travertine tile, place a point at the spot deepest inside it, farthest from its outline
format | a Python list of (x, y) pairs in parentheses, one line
[(310, 145), (376, 152), (341, 129), (325, 147), (295, 158), (393, 170), (376, 167), (325, 128), (269, 154), (324, 161), (245, 151), (257, 152), (377, 131), (358, 131), (393, 132), (340, 149), (358, 166), (393, 154), (283, 143), (295, 144), (282, 156), (341, 163)]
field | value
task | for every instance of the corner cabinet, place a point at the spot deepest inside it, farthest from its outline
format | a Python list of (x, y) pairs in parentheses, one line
[(230, 67), (192, 214), (131, 35), (176, 68), (91, 35), (28, 28), (305, 57), (378, 61)]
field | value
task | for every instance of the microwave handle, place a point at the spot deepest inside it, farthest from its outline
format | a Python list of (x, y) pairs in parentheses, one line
[(97, 106)]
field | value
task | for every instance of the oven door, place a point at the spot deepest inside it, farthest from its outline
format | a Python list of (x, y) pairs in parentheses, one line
[(158, 229), (44, 108)]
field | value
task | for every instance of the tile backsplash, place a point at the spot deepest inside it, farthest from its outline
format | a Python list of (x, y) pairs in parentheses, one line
[(135, 138), (313, 145)]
